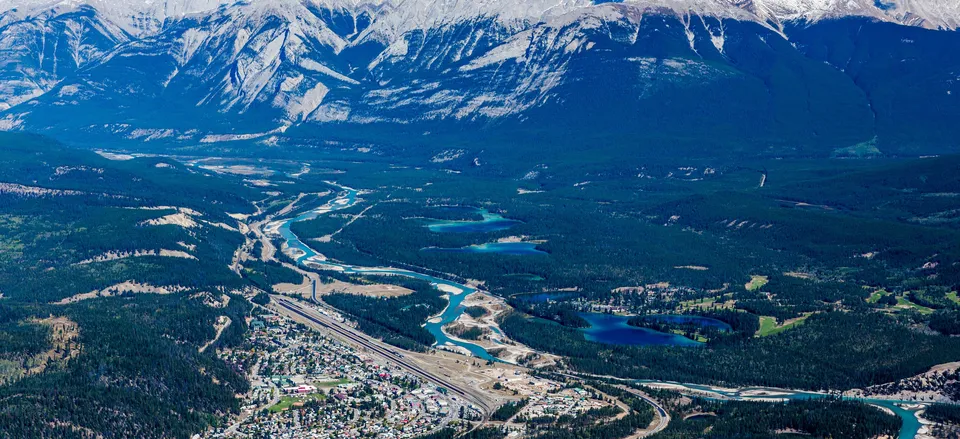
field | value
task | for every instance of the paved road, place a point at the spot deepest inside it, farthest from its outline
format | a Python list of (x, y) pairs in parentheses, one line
[(394, 355), (662, 415), (663, 418), (387, 352), (233, 429)]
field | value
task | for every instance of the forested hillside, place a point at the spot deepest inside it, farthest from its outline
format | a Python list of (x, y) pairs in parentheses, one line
[(113, 274)]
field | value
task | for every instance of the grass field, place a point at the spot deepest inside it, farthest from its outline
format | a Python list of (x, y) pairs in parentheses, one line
[(707, 302), (876, 295), (902, 302), (287, 401), (697, 303), (953, 297), (756, 282), (769, 326)]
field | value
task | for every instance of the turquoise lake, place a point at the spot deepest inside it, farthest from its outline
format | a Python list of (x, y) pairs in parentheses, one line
[(491, 222), (501, 248)]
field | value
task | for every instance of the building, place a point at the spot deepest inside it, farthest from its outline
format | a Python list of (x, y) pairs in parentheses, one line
[(300, 390)]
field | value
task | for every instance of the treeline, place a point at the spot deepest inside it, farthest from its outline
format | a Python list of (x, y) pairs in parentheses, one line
[(943, 413), (261, 299), (946, 322), (475, 311), (34, 161), (811, 234), (138, 373), (824, 418), (689, 330), (934, 296), (267, 274), (633, 401), (20, 338), (478, 433), (508, 410), (794, 296), (44, 267), (560, 312), (614, 429), (53, 285), (742, 324), (465, 332), (887, 189), (859, 354), (396, 320)]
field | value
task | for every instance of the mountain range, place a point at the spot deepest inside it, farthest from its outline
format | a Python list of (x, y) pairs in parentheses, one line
[(801, 77)]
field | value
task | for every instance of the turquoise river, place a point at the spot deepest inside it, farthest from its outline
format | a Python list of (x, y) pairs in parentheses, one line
[(348, 198)]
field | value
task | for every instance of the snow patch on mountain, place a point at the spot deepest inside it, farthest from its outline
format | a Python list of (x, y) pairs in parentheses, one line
[(288, 62), (515, 49), (312, 65)]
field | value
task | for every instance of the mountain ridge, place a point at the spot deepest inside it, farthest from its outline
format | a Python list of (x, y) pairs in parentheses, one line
[(251, 71), (151, 16)]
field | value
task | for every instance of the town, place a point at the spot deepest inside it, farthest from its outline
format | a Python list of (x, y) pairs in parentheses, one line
[(307, 385)]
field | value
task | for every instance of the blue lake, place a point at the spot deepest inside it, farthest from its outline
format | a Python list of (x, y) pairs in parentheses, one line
[(501, 248), (491, 222), (613, 329)]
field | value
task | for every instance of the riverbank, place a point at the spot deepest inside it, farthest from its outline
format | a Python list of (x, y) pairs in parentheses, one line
[(913, 426), (492, 339), (303, 254), (929, 386)]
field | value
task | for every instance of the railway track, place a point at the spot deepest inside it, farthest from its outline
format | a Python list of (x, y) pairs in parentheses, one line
[(384, 352), (396, 357)]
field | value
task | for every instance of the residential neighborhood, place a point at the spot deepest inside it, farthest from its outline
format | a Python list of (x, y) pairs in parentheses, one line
[(307, 385)]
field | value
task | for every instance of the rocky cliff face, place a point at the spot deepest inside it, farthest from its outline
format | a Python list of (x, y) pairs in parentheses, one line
[(807, 71)]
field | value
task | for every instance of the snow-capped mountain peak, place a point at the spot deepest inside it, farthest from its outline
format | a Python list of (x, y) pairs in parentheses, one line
[(397, 16), (266, 65)]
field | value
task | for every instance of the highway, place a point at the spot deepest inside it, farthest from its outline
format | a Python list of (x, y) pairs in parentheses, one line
[(663, 418), (661, 414), (394, 355), (389, 353)]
